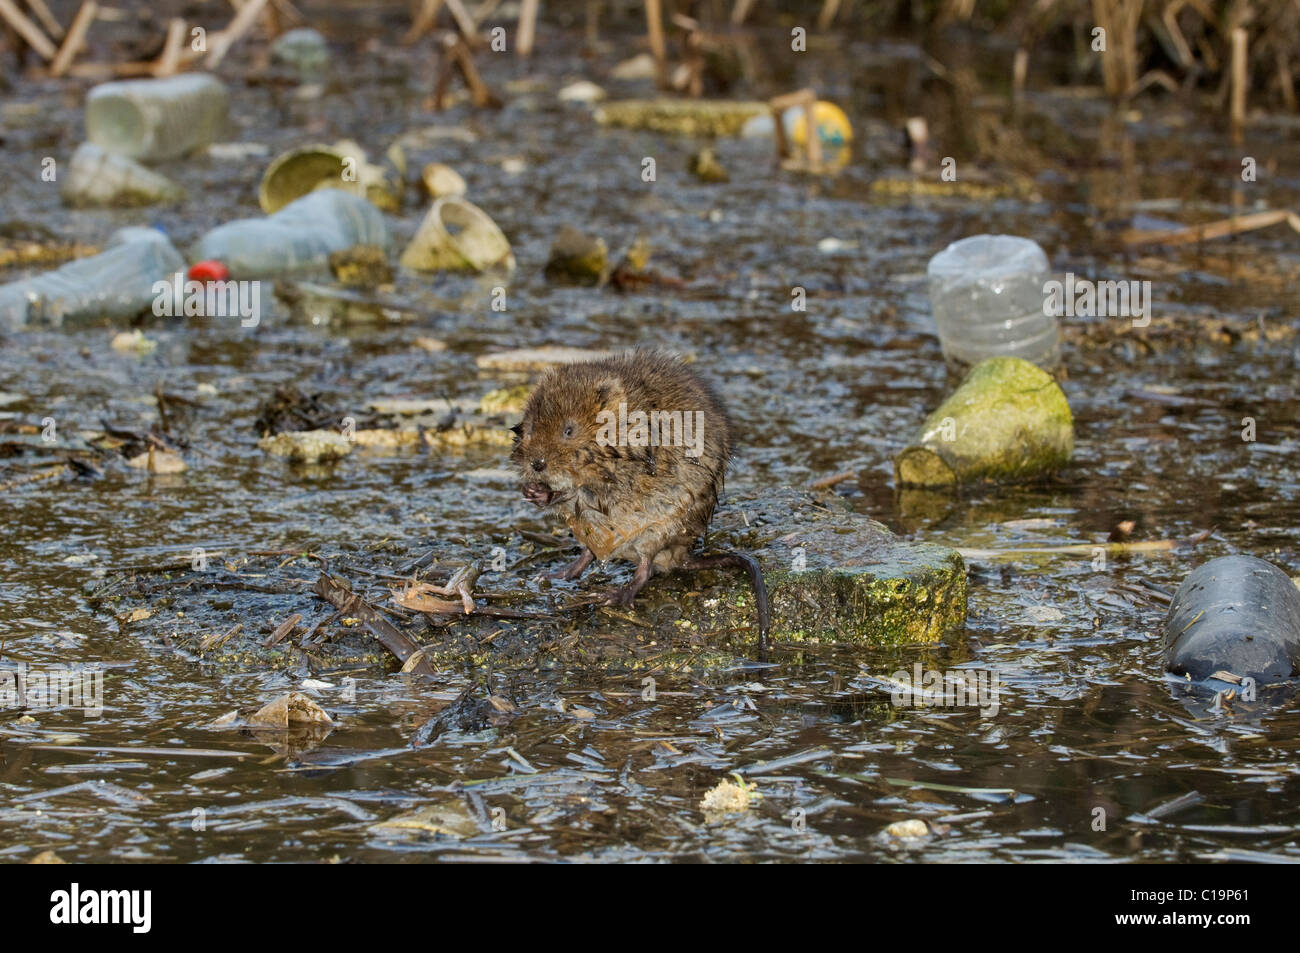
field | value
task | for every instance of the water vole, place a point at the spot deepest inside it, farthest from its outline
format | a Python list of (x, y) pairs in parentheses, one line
[(632, 451)]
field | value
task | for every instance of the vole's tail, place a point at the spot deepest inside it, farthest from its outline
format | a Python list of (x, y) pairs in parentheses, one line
[(748, 563)]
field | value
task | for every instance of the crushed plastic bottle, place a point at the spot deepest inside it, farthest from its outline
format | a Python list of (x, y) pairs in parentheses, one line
[(299, 237), (118, 283), (157, 118), (988, 301)]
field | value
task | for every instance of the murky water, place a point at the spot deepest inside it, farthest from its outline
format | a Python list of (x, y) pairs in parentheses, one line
[(584, 767)]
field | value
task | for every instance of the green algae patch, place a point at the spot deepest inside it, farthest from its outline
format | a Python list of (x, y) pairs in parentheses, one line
[(1009, 422)]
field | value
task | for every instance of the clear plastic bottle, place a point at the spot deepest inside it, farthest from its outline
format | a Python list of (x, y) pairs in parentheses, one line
[(157, 118), (988, 300), (299, 237), (118, 283)]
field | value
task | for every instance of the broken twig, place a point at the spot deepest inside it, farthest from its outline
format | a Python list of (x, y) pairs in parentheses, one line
[(336, 591)]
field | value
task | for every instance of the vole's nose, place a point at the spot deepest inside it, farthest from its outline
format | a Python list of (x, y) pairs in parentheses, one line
[(539, 465)]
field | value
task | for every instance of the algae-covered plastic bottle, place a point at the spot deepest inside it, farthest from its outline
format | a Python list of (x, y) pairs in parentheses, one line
[(118, 283), (299, 237), (988, 297), (157, 118)]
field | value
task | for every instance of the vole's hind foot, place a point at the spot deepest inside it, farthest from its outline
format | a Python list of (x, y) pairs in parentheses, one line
[(574, 569), (626, 595)]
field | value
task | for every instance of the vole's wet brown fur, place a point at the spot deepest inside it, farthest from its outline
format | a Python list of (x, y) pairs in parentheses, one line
[(645, 504)]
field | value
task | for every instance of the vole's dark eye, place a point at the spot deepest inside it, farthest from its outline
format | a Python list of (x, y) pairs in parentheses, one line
[(568, 431)]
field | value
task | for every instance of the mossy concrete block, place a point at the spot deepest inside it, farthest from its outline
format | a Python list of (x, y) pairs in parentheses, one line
[(833, 576)]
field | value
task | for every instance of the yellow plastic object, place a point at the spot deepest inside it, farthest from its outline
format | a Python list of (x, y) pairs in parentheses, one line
[(833, 126)]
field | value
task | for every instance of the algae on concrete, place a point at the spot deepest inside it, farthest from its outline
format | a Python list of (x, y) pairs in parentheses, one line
[(833, 576)]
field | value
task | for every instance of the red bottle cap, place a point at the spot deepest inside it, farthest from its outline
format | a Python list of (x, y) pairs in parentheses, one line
[(209, 271)]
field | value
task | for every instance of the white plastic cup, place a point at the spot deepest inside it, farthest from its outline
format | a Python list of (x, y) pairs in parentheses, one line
[(988, 301)]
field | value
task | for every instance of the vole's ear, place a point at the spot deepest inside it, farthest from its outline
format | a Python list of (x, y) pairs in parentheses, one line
[(609, 390)]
